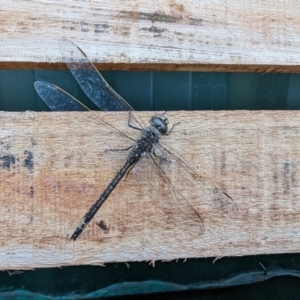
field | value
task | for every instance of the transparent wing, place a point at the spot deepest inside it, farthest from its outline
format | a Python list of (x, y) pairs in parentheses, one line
[(170, 199), (196, 191), (92, 82), (56, 98), (59, 100)]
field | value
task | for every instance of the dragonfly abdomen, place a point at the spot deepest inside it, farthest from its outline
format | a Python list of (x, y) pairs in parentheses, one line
[(131, 161), (145, 143)]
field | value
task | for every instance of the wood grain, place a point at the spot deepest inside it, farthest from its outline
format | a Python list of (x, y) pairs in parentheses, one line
[(50, 175), (260, 36)]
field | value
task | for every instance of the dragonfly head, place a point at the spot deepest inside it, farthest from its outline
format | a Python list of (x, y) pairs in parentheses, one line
[(160, 122)]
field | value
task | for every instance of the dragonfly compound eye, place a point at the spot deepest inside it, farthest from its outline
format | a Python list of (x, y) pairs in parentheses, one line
[(161, 123)]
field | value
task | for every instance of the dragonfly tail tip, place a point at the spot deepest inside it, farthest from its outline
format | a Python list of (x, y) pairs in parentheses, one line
[(75, 235)]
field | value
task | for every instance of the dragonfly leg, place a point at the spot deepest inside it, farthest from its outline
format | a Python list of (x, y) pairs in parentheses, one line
[(131, 126), (118, 150), (128, 171), (162, 159), (172, 128)]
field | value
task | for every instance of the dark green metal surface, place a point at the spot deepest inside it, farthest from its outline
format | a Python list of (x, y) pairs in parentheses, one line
[(164, 90), (260, 277)]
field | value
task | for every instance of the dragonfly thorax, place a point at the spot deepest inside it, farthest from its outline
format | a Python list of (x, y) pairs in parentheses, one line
[(149, 137)]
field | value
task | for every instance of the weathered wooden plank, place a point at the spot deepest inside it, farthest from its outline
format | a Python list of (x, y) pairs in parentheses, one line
[(49, 177), (260, 36)]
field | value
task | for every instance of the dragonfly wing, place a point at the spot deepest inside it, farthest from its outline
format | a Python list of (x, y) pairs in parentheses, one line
[(90, 80), (59, 100), (56, 98), (197, 190), (168, 201)]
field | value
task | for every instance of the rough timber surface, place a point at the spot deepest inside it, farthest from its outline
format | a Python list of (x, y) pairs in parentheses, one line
[(261, 36), (49, 176)]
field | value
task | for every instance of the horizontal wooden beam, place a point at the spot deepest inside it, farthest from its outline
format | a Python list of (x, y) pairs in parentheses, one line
[(53, 166), (260, 36)]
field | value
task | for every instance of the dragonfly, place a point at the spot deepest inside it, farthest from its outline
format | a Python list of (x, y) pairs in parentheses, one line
[(146, 146)]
